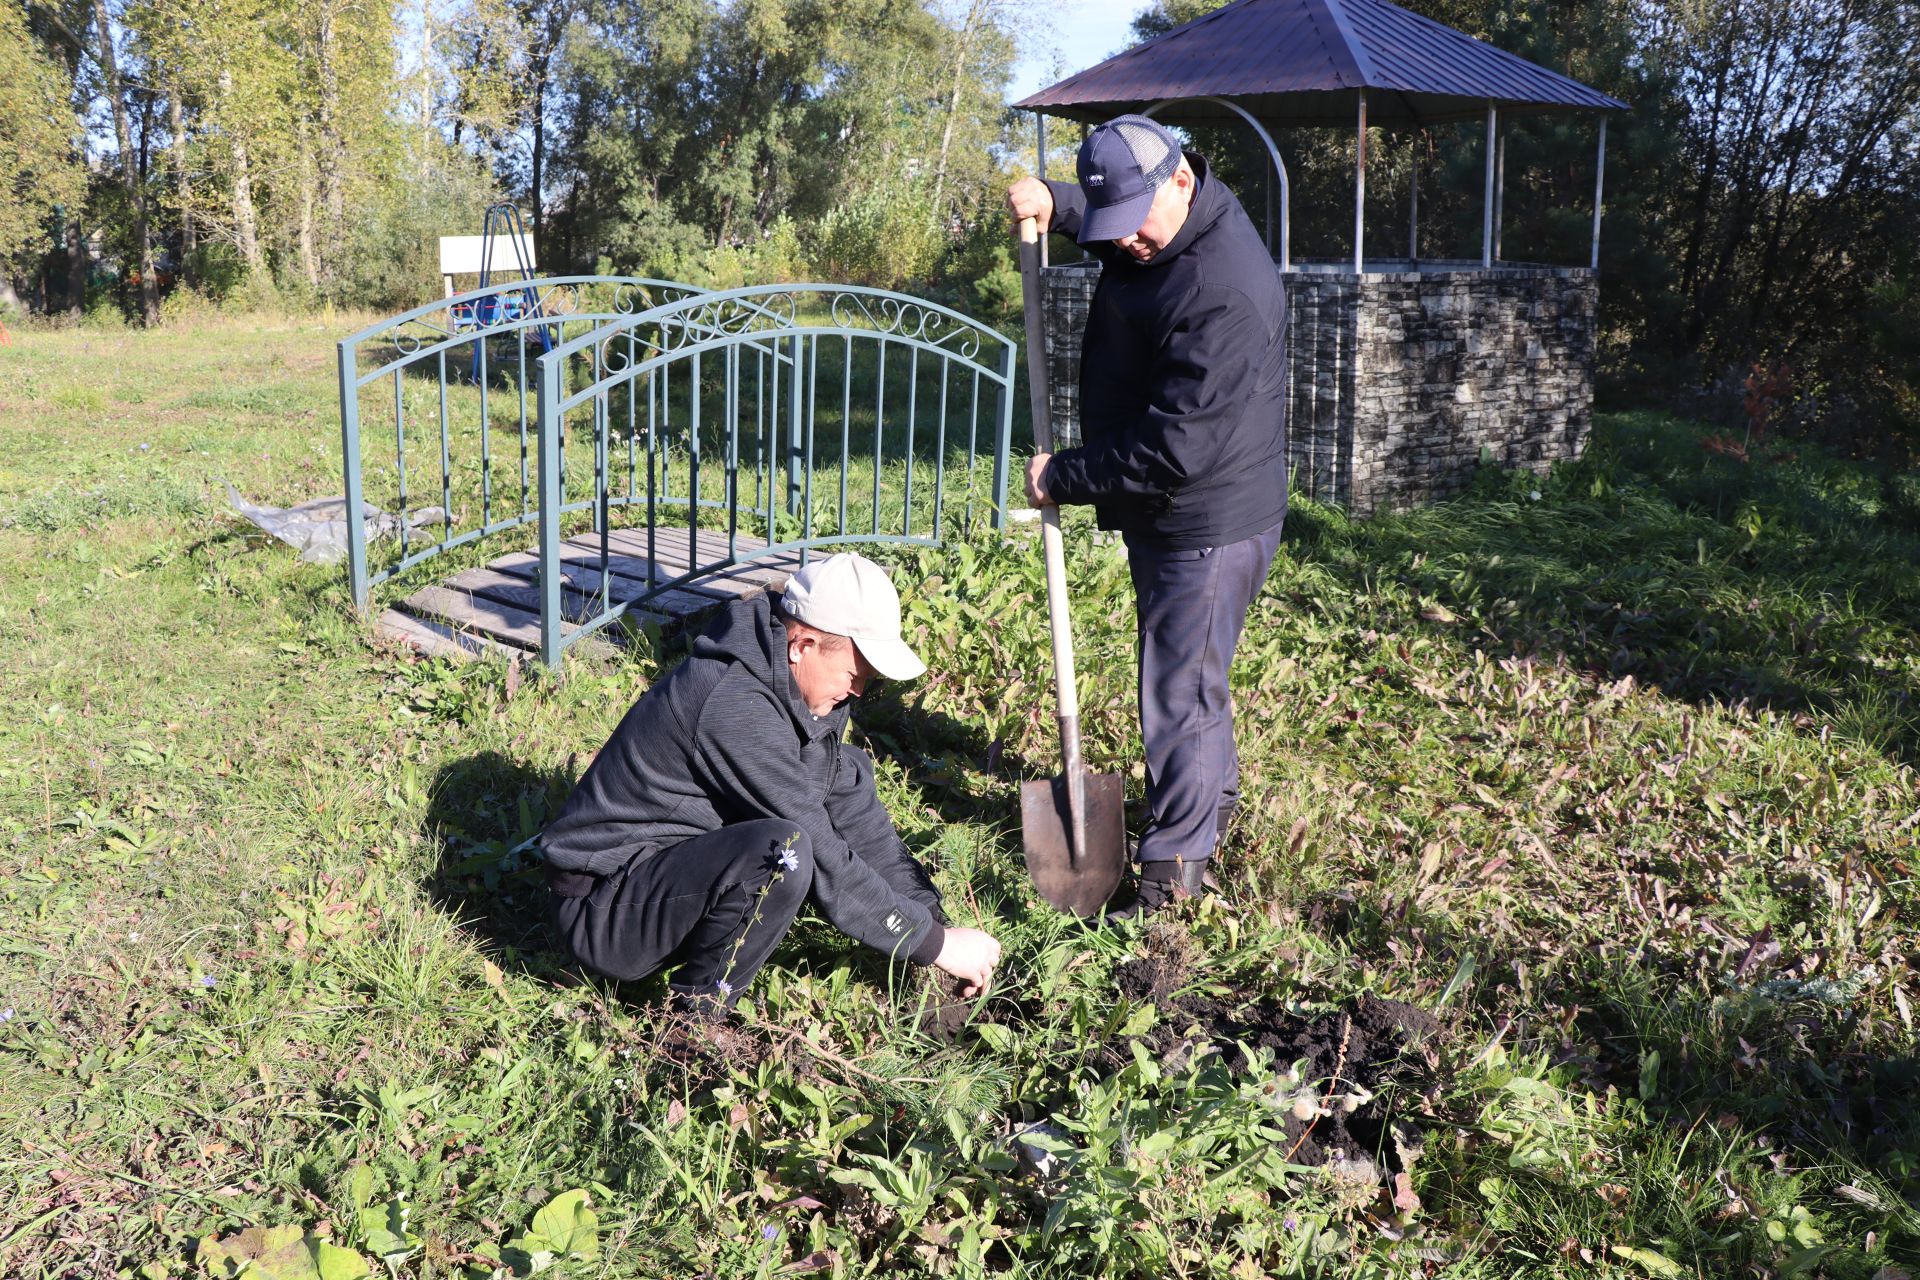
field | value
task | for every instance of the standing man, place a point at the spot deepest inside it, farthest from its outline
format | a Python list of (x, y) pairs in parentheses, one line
[(1183, 412), (726, 800)]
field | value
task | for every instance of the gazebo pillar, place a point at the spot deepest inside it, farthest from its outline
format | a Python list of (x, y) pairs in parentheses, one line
[(1413, 209), (1499, 191), (1486, 207), (1040, 167), (1599, 189), (1360, 188)]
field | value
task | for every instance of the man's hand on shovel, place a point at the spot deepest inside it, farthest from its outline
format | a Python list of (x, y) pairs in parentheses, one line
[(969, 955), (1036, 480), (1031, 198)]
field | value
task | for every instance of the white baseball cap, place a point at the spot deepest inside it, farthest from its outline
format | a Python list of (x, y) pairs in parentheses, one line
[(849, 595)]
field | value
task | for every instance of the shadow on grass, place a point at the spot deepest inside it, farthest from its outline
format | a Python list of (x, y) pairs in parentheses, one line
[(485, 812), (1791, 582)]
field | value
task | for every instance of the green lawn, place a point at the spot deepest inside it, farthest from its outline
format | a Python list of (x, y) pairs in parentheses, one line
[(1611, 788)]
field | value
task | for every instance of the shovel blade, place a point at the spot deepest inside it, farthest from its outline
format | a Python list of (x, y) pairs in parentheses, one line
[(1078, 880)]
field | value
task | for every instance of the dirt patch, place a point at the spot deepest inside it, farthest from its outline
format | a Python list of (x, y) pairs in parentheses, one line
[(705, 1048), (1363, 1051), (942, 1012)]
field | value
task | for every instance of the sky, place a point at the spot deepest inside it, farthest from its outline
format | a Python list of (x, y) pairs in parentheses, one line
[(1085, 32)]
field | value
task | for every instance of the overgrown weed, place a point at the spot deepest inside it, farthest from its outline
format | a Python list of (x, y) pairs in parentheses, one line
[(1600, 777)]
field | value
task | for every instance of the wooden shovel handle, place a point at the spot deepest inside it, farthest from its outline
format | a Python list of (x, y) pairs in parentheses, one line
[(1065, 686)]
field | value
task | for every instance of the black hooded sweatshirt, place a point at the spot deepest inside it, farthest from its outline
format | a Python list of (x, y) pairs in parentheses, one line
[(1183, 382), (723, 739)]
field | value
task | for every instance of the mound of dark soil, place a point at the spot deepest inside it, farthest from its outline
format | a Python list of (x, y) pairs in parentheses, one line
[(1375, 1044)]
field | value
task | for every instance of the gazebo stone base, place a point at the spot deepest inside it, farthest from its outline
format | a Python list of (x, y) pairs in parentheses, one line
[(1402, 380)]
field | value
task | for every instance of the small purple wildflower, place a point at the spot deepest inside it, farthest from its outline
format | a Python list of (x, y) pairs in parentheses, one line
[(725, 987), (769, 1232), (1290, 1222), (789, 860), (207, 980), (6, 1015)]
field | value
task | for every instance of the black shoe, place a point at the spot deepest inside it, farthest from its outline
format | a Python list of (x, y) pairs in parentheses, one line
[(1161, 883)]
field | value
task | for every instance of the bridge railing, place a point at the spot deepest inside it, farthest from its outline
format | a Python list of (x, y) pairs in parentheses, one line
[(764, 422), (436, 411)]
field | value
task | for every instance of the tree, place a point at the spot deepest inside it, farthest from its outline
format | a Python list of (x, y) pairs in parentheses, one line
[(130, 178), (39, 172)]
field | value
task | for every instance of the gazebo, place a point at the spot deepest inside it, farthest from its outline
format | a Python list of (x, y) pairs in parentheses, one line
[(1406, 371)]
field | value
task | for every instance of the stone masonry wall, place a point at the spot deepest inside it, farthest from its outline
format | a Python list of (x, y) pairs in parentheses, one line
[(1400, 380)]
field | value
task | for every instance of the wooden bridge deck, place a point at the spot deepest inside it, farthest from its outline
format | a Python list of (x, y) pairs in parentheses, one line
[(496, 609)]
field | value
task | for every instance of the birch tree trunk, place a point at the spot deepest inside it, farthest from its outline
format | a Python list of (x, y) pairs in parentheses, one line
[(332, 197), (977, 13), (426, 82), (246, 235), (309, 269), (182, 184), (136, 195), (76, 263)]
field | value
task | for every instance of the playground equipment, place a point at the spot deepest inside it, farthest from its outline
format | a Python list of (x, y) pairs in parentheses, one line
[(504, 249)]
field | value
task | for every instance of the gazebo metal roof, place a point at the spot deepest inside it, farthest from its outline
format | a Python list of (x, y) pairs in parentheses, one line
[(1306, 62)]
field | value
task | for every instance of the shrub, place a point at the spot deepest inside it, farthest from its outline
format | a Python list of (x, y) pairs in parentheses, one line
[(886, 236), (105, 314), (186, 306)]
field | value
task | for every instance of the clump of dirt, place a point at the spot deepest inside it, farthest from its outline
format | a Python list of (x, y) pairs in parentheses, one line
[(1357, 1051), (942, 1011)]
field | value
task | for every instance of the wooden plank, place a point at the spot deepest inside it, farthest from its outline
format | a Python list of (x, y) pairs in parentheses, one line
[(502, 622), (746, 578), (583, 572), (436, 639), (709, 537), (674, 544), (629, 563), (576, 603)]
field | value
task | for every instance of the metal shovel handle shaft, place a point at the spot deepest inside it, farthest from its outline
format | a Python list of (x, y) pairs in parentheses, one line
[(1065, 686)]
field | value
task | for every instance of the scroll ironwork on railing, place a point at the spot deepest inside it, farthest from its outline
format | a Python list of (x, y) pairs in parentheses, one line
[(773, 420), (719, 428)]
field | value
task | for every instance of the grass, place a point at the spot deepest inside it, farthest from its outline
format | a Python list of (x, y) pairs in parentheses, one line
[(1616, 781)]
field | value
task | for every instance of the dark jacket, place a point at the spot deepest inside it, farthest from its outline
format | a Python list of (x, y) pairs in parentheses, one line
[(725, 739), (1183, 382)]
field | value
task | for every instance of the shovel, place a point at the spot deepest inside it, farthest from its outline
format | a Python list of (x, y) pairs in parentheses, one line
[(1074, 826)]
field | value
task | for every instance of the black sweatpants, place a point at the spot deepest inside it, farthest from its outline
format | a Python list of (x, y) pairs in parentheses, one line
[(1191, 607), (716, 905)]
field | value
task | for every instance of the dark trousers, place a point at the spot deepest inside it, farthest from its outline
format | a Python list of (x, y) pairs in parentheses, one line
[(715, 905), (1192, 607)]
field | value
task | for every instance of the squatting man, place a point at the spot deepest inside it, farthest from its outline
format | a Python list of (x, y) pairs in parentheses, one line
[(726, 800)]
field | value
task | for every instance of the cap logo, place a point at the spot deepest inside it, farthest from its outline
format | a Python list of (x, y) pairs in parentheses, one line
[(1096, 179)]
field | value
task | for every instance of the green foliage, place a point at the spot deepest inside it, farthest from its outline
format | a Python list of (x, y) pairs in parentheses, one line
[(1163, 16), (278, 1253), (283, 995), (886, 236), (983, 273), (40, 169), (864, 124), (392, 259)]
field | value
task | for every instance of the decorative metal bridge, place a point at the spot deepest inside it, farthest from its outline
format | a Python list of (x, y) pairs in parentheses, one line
[(668, 447)]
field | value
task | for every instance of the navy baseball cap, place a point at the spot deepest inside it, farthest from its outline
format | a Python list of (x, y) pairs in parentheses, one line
[(1122, 163)]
